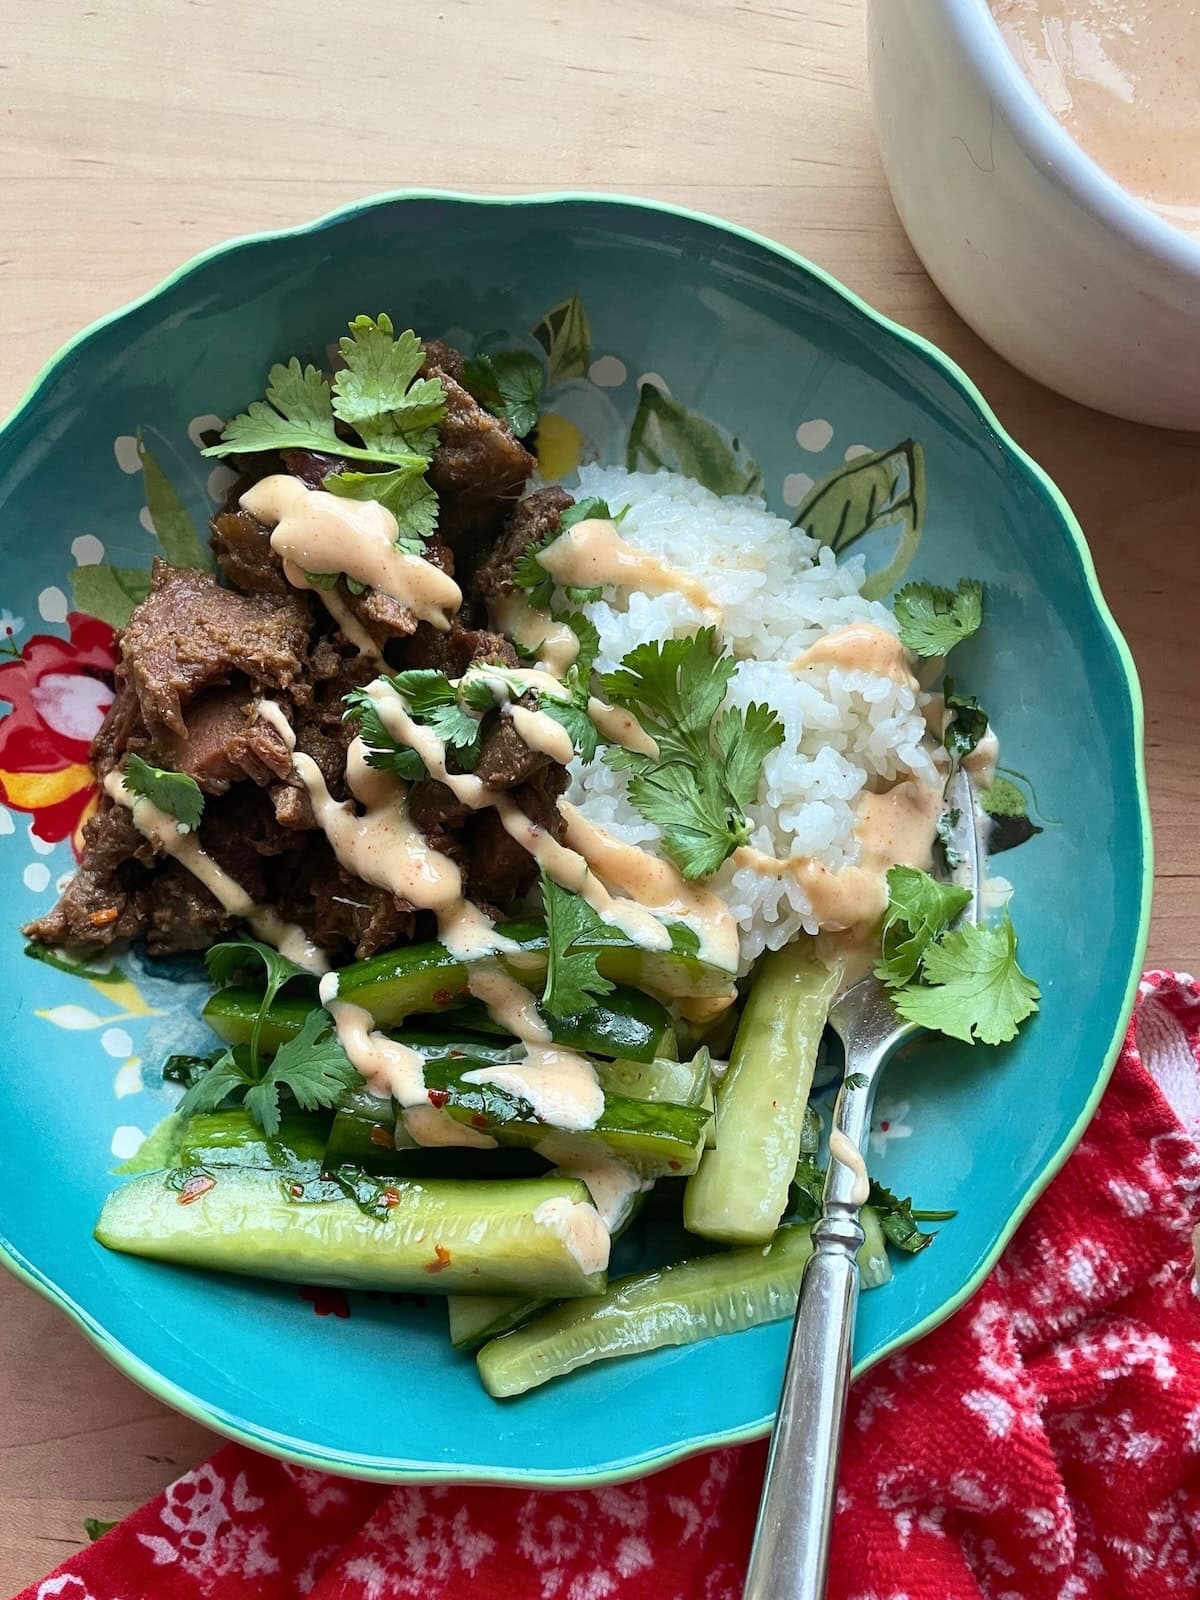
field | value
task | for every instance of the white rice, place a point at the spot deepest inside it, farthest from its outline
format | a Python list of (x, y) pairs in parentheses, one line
[(779, 591)]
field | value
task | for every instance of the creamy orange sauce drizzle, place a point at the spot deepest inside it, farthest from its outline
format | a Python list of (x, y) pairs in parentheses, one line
[(555, 644), (580, 1228), (391, 1069), (593, 552), (164, 834), (315, 531), (341, 613), (894, 828), (611, 1182), (656, 884), (860, 647), (843, 1149), (621, 727)]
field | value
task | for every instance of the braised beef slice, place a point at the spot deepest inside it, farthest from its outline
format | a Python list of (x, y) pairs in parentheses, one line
[(179, 914), (323, 733), (312, 468), (242, 546), (455, 649), (499, 869), (443, 358), (505, 760), (121, 730), (102, 904), (534, 520), (345, 916), (189, 633), (226, 740), (478, 468)]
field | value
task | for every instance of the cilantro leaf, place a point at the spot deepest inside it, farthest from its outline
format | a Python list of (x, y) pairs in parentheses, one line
[(224, 961), (967, 725), (933, 620), (383, 752), (701, 825), (378, 393), (897, 1220), (572, 716), (226, 1075), (533, 577), (313, 1066), (919, 910), (745, 741), (675, 687), (297, 414), (589, 642), (375, 394), (173, 792), (434, 701), (572, 982), (695, 793), (974, 987), (510, 385), (406, 494)]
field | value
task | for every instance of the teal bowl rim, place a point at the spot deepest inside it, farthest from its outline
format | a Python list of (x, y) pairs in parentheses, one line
[(180, 1399)]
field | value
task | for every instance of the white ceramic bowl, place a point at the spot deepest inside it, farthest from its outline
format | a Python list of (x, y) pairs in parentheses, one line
[(1051, 261)]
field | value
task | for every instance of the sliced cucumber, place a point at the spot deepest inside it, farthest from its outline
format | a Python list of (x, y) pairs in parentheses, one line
[(740, 1192), (625, 1023), (655, 1137), (683, 1083), (423, 978), (523, 1237), (234, 1139), (475, 1318), (680, 1304)]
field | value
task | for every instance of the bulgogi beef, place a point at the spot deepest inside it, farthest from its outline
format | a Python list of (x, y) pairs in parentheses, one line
[(197, 655)]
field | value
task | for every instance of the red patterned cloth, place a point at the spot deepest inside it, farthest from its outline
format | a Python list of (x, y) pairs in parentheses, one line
[(1043, 1444)]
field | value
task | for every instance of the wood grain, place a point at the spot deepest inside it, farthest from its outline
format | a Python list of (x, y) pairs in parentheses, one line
[(134, 135)]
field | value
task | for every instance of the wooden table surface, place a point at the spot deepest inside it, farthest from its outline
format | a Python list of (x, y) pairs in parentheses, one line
[(133, 135)]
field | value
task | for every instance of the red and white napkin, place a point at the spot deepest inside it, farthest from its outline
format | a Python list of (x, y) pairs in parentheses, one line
[(1043, 1444)]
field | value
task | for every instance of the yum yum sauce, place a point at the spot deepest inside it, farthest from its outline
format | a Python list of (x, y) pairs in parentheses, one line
[(1123, 78)]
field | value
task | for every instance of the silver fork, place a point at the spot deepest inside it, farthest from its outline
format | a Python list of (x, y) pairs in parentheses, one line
[(790, 1556)]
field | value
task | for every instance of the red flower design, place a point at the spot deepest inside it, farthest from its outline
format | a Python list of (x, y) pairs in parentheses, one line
[(59, 690)]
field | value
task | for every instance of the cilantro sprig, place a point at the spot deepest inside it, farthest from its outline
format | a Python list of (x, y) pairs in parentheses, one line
[(709, 762), (313, 1068), (224, 961), (453, 711), (176, 793), (933, 620), (509, 384), (573, 983), (377, 393), (897, 1218), (973, 986), (962, 981)]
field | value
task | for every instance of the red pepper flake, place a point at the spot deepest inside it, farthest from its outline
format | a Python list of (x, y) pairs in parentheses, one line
[(389, 1197), (442, 997), (383, 1136), (674, 1165), (101, 919), (195, 1187), (327, 1302), (884, 1126), (296, 1190), (478, 1121), (438, 1097), (443, 1259)]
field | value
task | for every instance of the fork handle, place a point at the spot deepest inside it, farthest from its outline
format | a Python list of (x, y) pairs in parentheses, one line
[(790, 1557)]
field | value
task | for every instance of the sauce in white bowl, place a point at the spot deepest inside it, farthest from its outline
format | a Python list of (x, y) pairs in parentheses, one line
[(1123, 78)]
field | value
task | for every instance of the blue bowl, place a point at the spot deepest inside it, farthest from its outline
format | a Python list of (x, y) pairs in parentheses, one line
[(761, 343)]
